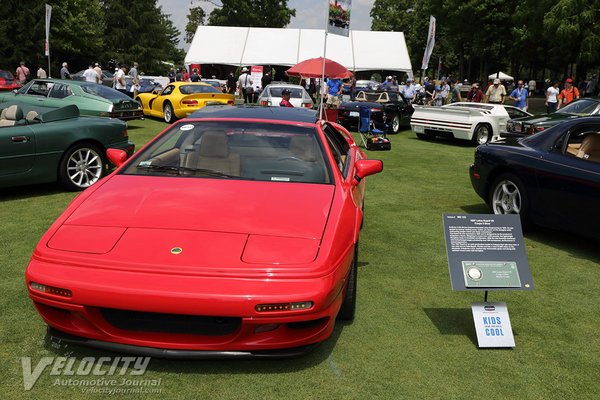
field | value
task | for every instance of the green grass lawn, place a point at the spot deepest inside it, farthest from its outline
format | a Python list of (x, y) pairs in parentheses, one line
[(413, 337)]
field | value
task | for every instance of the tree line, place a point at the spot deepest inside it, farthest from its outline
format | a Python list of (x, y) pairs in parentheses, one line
[(539, 39), (110, 32)]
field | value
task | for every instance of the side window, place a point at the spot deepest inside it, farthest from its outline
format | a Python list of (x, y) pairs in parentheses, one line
[(40, 88), (168, 90), (584, 143), (339, 148), (60, 91), (515, 113)]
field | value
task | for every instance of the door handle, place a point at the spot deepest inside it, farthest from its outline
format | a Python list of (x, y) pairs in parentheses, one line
[(20, 139)]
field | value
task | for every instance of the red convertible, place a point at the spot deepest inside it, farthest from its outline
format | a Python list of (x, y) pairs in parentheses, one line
[(233, 233)]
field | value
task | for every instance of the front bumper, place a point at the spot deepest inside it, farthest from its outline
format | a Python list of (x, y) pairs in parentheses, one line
[(161, 299)]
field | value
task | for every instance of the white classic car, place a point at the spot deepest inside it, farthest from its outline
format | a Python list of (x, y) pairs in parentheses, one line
[(477, 122)]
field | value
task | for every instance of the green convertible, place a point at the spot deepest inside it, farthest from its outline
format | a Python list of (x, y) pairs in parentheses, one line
[(91, 98), (56, 145)]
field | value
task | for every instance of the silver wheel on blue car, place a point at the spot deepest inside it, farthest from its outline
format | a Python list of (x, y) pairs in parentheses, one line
[(509, 196), (81, 166)]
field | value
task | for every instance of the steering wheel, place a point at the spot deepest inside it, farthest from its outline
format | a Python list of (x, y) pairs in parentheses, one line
[(290, 158)]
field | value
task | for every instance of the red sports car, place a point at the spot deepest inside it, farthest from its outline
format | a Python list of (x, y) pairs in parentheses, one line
[(233, 233), (8, 81)]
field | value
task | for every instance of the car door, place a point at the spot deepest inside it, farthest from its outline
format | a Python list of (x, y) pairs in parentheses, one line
[(569, 182), (157, 103), (59, 96), (36, 94), (17, 150)]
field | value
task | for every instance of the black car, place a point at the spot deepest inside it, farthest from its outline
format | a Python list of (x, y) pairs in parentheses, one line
[(537, 123), (551, 179), (386, 108)]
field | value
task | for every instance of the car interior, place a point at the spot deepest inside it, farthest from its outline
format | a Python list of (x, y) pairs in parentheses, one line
[(256, 154), (13, 115), (585, 145)]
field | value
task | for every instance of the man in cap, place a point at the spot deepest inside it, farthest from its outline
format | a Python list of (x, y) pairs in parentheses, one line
[(388, 82), (568, 94), (245, 84), (495, 93), (285, 96), (475, 95)]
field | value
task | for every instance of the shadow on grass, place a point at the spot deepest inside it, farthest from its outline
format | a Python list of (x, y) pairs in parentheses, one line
[(480, 208), (446, 141), (25, 192), (318, 355), (453, 321)]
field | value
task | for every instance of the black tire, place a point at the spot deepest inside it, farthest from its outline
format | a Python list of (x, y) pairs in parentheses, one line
[(482, 134), (168, 113), (348, 308), (395, 124), (81, 166), (508, 195)]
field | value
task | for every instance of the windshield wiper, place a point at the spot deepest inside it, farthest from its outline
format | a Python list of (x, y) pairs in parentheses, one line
[(181, 170)]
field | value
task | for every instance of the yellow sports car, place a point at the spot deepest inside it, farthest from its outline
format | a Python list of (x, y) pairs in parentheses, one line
[(178, 99)]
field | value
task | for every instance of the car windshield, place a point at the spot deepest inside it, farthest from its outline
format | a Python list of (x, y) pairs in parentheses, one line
[(103, 91), (296, 93), (581, 107), (191, 89), (235, 150)]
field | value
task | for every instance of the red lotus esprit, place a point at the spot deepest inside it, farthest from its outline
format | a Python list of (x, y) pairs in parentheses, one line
[(233, 233)]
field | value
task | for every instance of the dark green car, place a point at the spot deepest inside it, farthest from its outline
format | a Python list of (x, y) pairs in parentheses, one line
[(57, 145), (586, 107), (91, 98)]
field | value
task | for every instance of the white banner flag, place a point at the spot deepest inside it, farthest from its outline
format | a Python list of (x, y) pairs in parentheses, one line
[(47, 43), (430, 43)]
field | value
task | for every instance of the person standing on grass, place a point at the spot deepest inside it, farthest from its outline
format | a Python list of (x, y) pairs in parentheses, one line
[(455, 96), (568, 94), (520, 96), (22, 73), (496, 93), (475, 95), (552, 97)]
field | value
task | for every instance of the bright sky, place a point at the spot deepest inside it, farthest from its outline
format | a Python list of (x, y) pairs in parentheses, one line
[(310, 14)]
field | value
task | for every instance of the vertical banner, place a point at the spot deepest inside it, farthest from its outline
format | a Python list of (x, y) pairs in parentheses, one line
[(430, 43), (256, 74), (47, 42), (339, 17)]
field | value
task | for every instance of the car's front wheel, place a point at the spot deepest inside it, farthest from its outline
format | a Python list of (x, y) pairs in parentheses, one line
[(482, 134), (81, 166), (168, 113), (395, 123), (348, 308), (509, 196)]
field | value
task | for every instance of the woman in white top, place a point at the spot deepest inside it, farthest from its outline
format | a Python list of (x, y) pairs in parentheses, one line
[(552, 97)]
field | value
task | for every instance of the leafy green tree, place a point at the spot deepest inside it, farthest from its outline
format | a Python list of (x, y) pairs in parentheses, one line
[(195, 18), (76, 33), (254, 13), (137, 30)]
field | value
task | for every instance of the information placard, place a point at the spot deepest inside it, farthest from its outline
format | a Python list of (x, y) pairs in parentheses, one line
[(486, 252), (492, 325)]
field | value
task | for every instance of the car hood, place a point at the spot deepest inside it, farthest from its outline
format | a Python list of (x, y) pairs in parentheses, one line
[(203, 204)]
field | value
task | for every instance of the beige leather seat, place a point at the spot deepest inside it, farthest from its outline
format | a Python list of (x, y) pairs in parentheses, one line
[(31, 116), (11, 116), (590, 148), (212, 152)]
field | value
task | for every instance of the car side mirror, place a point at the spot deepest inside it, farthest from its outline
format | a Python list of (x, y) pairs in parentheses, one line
[(116, 156), (155, 91), (364, 168)]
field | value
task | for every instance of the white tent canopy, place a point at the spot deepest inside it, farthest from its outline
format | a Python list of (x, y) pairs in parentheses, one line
[(361, 51), (502, 76)]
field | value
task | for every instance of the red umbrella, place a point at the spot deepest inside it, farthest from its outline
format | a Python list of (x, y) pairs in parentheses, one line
[(313, 68)]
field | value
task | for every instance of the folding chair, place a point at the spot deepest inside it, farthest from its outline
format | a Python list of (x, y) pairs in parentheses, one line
[(372, 138)]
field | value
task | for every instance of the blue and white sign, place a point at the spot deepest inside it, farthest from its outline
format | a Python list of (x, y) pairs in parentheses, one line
[(492, 325)]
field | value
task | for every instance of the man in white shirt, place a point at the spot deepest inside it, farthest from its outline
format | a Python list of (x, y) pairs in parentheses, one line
[(120, 83), (245, 85), (90, 75)]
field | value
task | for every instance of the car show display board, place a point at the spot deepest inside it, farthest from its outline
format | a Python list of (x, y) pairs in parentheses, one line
[(486, 252)]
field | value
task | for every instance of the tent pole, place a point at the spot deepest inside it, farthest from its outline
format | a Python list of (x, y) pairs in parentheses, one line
[(322, 86)]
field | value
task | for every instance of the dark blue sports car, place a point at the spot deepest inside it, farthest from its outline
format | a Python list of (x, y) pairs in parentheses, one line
[(550, 179)]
